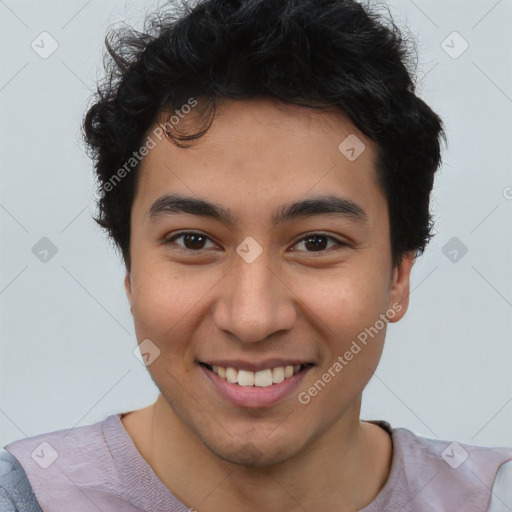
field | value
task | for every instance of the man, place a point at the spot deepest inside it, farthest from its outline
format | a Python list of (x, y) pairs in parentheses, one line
[(265, 169)]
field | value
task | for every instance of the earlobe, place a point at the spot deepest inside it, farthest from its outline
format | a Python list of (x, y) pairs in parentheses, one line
[(400, 287), (128, 289)]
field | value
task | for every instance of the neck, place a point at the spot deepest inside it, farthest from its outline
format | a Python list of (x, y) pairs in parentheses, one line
[(343, 469)]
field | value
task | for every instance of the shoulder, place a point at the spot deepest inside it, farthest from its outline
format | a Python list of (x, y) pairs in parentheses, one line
[(41, 451), (445, 475), (71, 465), (454, 472), (501, 500), (16, 494)]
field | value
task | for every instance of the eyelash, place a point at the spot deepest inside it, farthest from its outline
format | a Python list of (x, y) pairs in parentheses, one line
[(341, 244)]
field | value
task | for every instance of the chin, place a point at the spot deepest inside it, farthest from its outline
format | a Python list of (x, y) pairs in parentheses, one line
[(249, 445), (254, 453)]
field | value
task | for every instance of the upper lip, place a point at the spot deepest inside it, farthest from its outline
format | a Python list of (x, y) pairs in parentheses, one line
[(253, 366)]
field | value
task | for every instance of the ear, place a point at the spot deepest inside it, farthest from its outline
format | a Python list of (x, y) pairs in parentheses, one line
[(399, 291), (128, 288)]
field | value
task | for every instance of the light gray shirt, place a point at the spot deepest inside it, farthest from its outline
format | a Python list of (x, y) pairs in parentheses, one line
[(97, 467)]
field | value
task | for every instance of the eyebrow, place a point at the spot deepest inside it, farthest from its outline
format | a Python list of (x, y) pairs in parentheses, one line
[(172, 204)]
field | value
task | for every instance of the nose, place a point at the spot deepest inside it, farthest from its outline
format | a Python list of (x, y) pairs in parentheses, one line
[(254, 302)]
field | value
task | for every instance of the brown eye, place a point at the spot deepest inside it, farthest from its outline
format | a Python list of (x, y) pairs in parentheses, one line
[(317, 242), (313, 243), (194, 242)]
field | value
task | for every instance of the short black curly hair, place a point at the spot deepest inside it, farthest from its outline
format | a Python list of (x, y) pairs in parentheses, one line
[(314, 53)]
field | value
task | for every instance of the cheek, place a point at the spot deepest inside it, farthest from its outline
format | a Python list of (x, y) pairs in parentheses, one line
[(354, 343), (169, 300), (346, 300), (347, 311)]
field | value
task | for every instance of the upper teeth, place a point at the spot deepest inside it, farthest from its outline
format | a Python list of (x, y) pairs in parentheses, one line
[(262, 379)]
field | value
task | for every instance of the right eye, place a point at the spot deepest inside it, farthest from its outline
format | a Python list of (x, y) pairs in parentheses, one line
[(192, 241)]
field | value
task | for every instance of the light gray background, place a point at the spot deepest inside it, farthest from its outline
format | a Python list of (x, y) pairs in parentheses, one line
[(67, 337)]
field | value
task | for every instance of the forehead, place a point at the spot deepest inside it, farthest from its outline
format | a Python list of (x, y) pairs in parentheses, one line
[(258, 153)]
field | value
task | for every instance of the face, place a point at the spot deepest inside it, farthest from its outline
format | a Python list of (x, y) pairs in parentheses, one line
[(256, 286)]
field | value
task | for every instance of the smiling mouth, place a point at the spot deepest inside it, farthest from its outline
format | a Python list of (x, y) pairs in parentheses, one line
[(263, 378)]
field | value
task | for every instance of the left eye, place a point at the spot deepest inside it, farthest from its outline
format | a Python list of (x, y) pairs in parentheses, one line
[(312, 241), (194, 242)]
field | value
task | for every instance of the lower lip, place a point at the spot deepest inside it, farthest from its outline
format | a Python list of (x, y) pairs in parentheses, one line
[(254, 396)]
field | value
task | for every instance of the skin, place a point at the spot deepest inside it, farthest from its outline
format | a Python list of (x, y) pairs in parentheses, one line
[(258, 155)]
